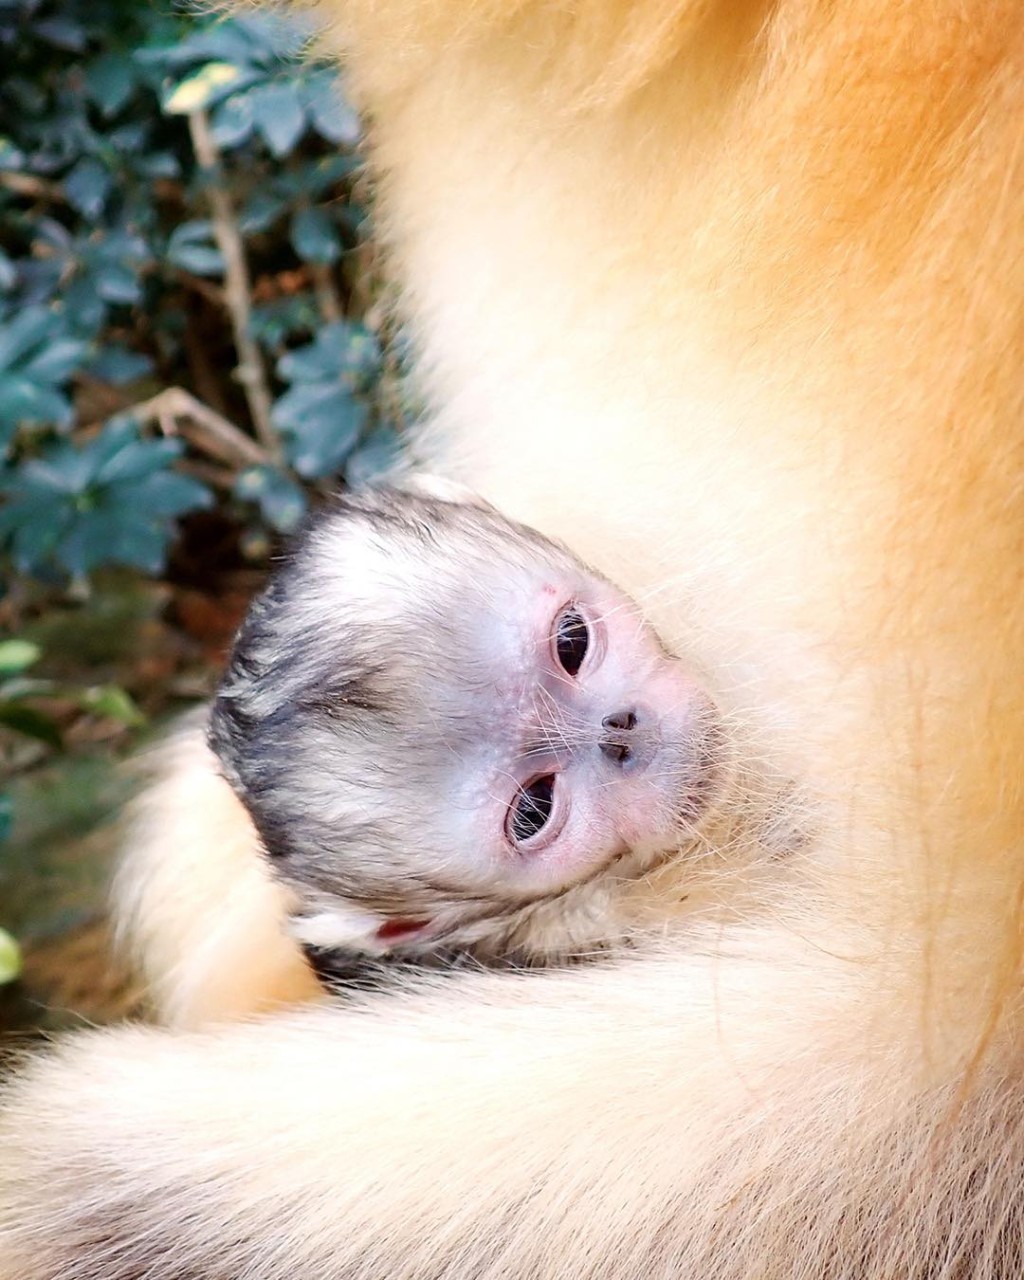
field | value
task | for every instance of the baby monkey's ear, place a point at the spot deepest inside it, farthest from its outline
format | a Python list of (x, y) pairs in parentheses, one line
[(336, 925), (425, 484)]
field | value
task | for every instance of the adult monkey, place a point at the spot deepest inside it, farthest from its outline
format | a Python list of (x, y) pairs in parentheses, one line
[(729, 296)]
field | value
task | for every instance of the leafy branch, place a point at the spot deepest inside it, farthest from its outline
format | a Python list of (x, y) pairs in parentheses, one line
[(176, 201), (237, 290)]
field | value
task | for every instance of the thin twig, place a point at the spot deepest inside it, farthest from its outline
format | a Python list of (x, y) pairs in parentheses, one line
[(27, 184), (211, 475), (205, 288), (328, 299), (179, 412), (237, 288)]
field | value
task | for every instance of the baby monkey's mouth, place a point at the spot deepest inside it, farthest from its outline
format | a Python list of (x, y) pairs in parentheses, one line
[(710, 770), (691, 771)]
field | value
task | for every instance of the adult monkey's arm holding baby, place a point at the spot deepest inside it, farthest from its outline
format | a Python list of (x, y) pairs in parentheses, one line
[(729, 296), (660, 1128)]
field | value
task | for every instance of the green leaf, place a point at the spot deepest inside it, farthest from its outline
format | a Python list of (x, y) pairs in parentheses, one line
[(333, 117), (127, 459), (57, 361), (318, 175), (8, 273), (191, 247), (23, 401), (6, 816), (118, 283), (117, 365), (200, 259), (11, 158), (158, 164), (62, 469), (323, 446), (202, 88), (130, 138), (281, 501), (361, 354), (10, 956), (33, 539), (162, 495), (353, 218), (226, 40), (314, 362), (322, 424), (304, 399), (233, 122), (278, 115), (83, 305), (340, 351), (114, 703), (110, 81), (123, 245), (261, 211), (17, 655), (275, 37), (315, 237), (22, 332), (87, 187), (65, 33), (29, 722), (373, 459), (113, 537), (275, 321)]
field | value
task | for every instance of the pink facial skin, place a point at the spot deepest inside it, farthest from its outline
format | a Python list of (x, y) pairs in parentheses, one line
[(437, 716), (598, 742)]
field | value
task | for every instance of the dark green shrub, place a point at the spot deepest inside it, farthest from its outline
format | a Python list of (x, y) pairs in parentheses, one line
[(183, 282)]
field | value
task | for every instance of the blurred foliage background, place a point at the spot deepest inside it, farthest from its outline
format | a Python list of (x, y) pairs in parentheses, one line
[(194, 345)]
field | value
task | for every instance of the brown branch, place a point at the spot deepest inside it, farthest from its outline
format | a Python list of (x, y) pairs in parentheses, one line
[(26, 184), (237, 287), (328, 299), (203, 376), (211, 475), (205, 288), (180, 413)]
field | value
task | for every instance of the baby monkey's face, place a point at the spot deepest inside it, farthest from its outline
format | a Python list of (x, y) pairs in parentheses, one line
[(576, 738), (436, 715)]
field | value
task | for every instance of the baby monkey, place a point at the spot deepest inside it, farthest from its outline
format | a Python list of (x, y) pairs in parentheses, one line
[(455, 739)]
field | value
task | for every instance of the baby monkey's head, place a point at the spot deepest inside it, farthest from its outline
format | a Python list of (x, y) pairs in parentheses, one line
[(437, 717)]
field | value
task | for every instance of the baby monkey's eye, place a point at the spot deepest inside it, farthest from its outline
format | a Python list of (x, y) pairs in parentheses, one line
[(572, 640), (530, 810)]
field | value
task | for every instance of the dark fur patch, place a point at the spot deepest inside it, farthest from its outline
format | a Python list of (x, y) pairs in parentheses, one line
[(342, 972)]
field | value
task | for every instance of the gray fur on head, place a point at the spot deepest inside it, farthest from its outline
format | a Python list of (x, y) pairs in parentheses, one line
[(334, 720), (450, 733)]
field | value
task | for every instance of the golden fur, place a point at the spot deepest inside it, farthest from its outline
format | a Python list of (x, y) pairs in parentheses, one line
[(729, 296)]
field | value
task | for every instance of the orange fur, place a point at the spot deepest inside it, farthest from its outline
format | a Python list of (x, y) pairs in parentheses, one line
[(728, 295)]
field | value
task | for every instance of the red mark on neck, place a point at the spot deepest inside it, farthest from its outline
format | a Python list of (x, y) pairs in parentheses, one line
[(393, 930)]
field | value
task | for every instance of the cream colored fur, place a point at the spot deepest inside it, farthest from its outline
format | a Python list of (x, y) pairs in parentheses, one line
[(729, 296), (195, 904)]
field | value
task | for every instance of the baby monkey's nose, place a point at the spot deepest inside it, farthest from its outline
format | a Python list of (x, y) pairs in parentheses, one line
[(615, 744), (620, 720)]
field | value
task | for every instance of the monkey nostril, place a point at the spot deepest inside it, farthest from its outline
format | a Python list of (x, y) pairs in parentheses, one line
[(617, 751), (620, 720), (617, 745)]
